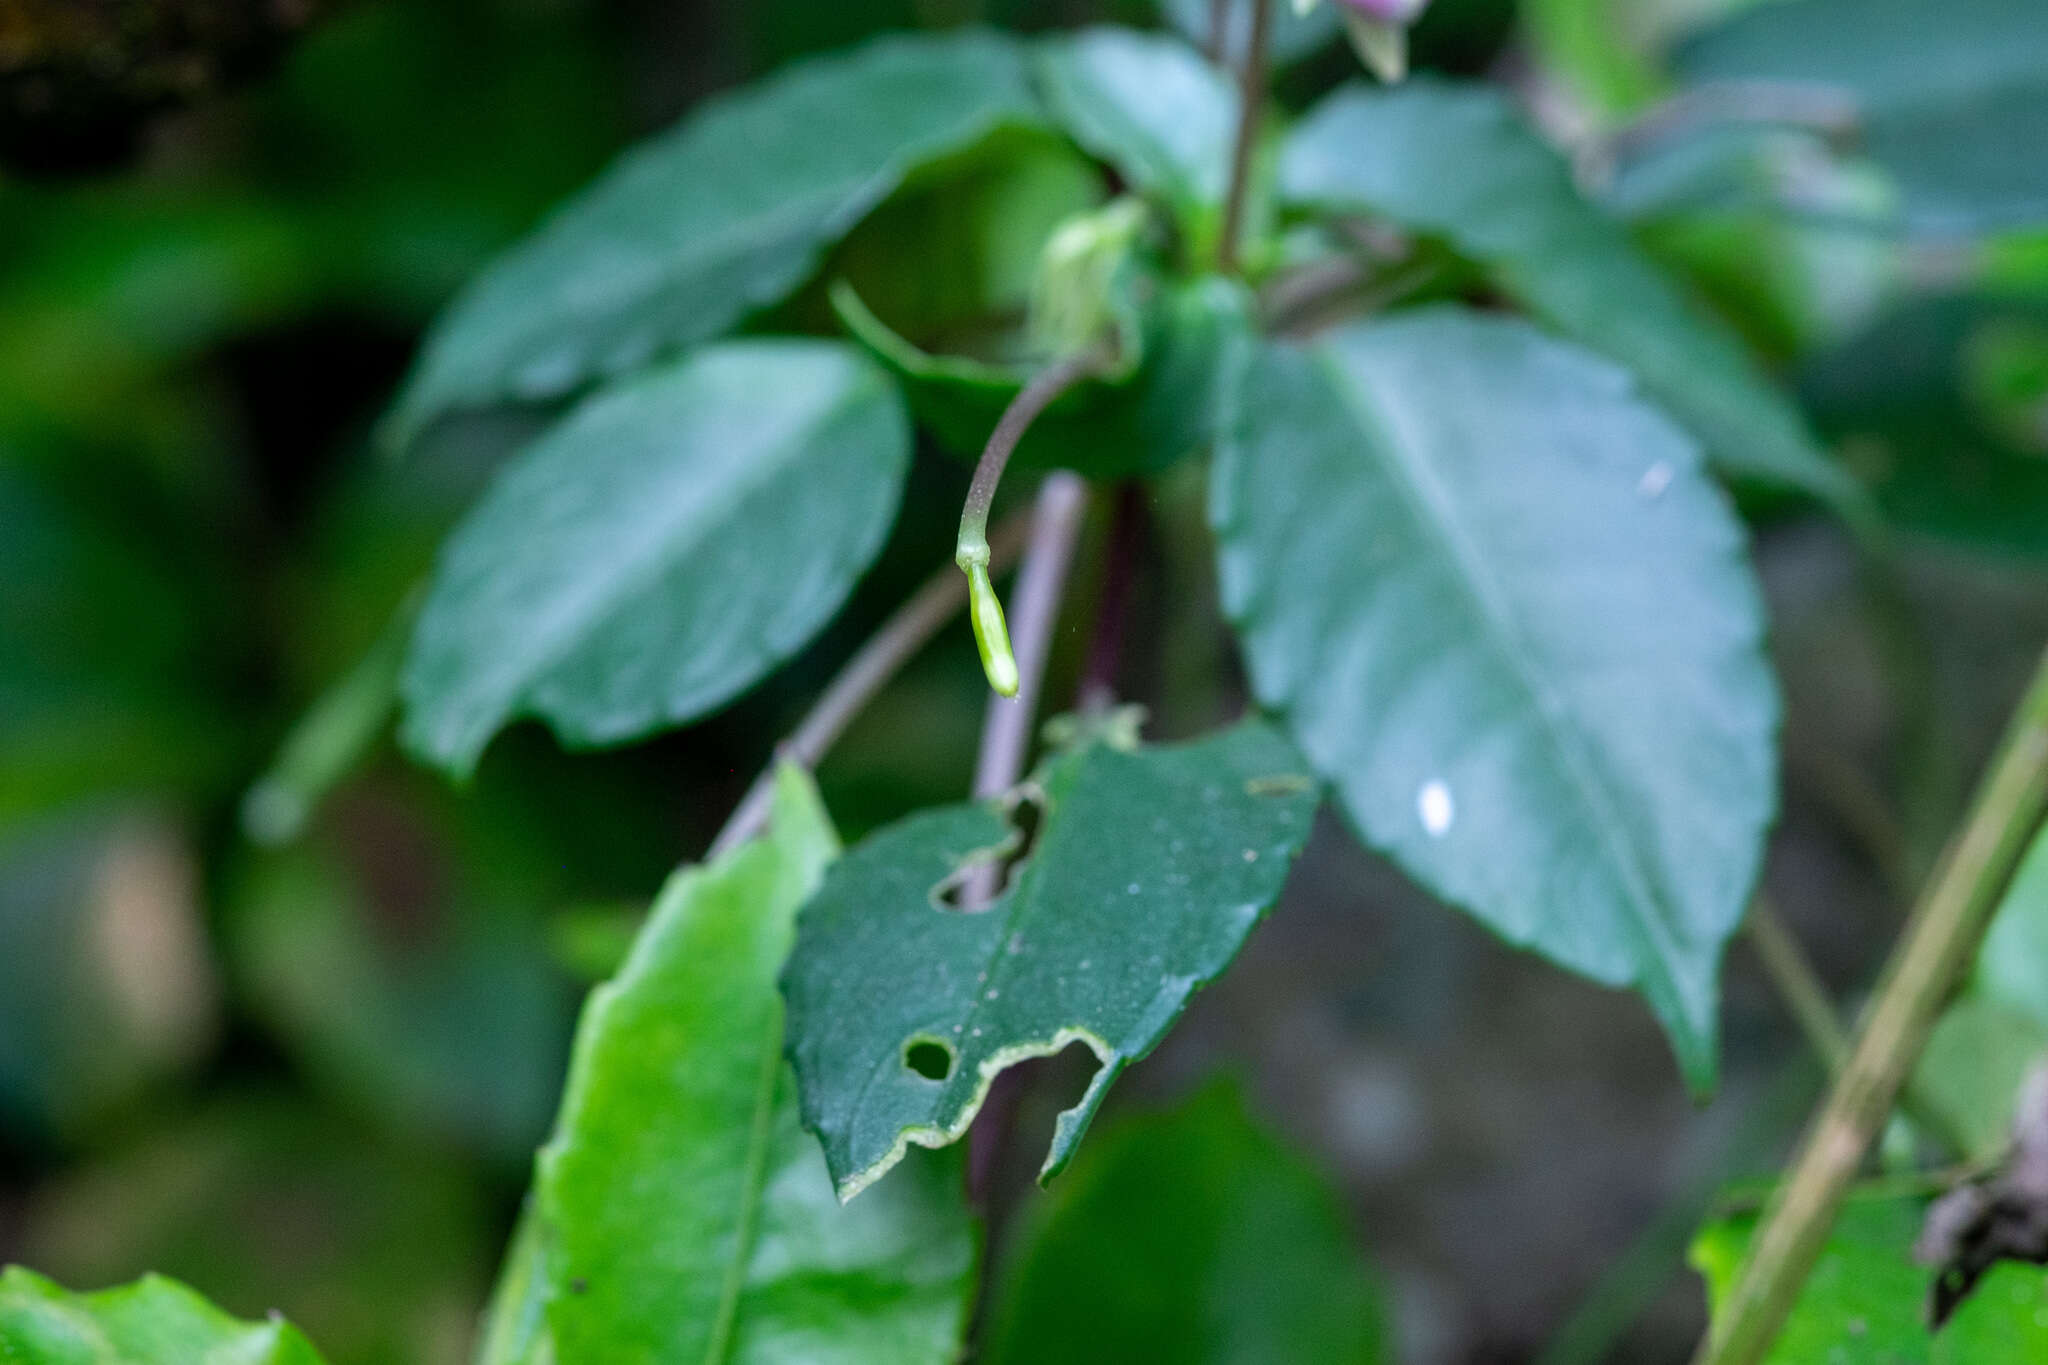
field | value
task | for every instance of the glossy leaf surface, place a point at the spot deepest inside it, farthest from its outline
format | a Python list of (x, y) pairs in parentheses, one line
[(679, 1213), (659, 550), (1148, 871), (1456, 162), (1505, 613), (1192, 1236), (153, 1321), (689, 233)]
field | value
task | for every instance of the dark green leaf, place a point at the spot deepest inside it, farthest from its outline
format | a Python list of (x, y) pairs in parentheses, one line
[(660, 550), (722, 215), (1149, 870), (1142, 422), (1951, 95), (1455, 161), (153, 1321), (1507, 615), (1896, 397), (1152, 107), (1866, 1300), (679, 1213), (1191, 1236)]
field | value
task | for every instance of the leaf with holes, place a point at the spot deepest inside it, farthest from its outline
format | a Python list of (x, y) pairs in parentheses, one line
[(1192, 1236), (1152, 107), (153, 1321), (660, 550), (1504, 611), (1149, 870), (680, 1213), (1454, 161), (721, 216)]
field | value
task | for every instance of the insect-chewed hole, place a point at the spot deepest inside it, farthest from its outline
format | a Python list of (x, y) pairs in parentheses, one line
[(977, 883), (928, 1057)]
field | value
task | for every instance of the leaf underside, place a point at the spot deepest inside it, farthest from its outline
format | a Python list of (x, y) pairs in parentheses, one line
[(1501, 608), (1149, 870)]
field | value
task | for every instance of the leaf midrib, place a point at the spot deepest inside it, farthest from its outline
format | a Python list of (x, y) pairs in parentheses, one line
[(1430, 505)]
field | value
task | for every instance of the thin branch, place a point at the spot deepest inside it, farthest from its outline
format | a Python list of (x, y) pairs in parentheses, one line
[(991, 633), (1940, 942), (1251, 93), (1006, 726), (907, 630), (1797, 984)]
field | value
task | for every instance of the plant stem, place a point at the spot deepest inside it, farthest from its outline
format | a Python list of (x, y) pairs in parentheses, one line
[(1218, 45), (971, 552), (1006, 726), (1251, 93), (1127, 523), (1940, 942), (909, 628), (1797, 984)]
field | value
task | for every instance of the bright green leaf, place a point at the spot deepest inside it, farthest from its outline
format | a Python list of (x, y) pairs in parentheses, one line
[(1191, 1236), (1951, 96), (1865, 1302), (1455, 161), (1504, 611), (661, 549), (726, 213), (1162, 412), (1149, 870), (679, 1213), (1152, 107), (153, 1321)]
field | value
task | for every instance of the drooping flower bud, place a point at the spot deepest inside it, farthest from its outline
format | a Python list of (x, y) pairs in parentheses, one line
[(1379, 31)]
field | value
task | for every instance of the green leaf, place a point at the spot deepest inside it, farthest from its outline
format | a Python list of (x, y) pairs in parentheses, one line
[(1865, 1301), (1162, 412), (1149, 870), (1152, 107), (666, 545), (726, 213), (153, 1321), (1505, 612), (1191, 1236), (1974, 1066), (680, 1213), (1294, 35), (1951, 96), (1455, 161)]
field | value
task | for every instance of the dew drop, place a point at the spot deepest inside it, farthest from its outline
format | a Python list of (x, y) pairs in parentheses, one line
[(1655, 480), (1433, 803), (1133, 889)]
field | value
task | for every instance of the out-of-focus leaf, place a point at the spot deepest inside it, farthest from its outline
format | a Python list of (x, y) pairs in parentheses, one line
[(1951, 95), (1455, 161), (660, 550), (1866, 1299), (1148, 871), (153, 1321), (1895, 398), (332, 738), (719, 217), (1505, 613), (1191, 1236), (1974, 1065), (1163, 411), (1295, 35), (679, 1212), (1152, 107), (375, 1248), (1594, 52)]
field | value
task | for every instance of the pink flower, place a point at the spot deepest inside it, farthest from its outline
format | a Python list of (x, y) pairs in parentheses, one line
[(1402, 12)]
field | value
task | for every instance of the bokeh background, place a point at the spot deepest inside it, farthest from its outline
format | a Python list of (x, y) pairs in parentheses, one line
[(308, 1074)]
